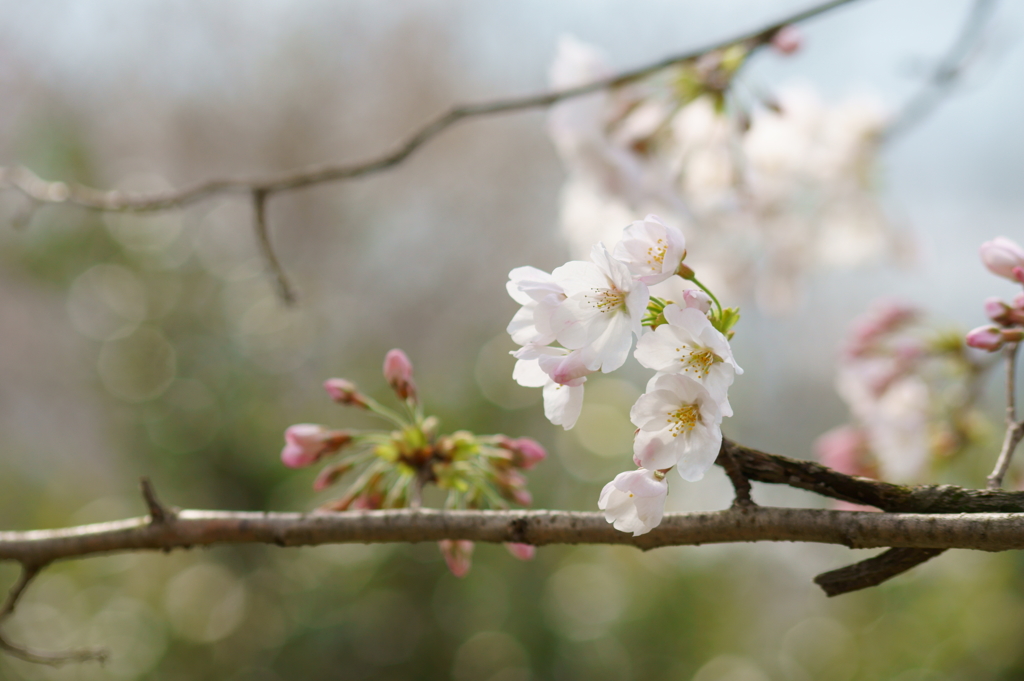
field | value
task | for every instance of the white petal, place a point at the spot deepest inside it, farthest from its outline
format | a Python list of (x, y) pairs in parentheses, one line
[(528, 373), (562, 404)]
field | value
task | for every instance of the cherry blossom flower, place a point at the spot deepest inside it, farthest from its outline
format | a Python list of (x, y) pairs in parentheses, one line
[(1003, 258), (539, 295), (679, 425), (690, 345), (603, 308), (561, 373), (634, 501), (898, 430), (651, 249)]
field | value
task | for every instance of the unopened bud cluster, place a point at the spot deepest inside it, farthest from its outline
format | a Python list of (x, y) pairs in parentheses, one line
[(1004, 258), (389, 468), (909, 388)]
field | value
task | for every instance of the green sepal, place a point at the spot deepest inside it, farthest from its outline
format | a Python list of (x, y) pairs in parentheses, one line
[(725, 319)]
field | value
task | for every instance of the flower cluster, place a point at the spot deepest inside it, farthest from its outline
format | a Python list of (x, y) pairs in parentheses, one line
[(910, 390), (389, 468), (583, 317), (1004, 258), (766, 189)]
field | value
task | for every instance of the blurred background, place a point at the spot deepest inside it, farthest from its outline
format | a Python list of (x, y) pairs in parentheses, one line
[(155, 345)]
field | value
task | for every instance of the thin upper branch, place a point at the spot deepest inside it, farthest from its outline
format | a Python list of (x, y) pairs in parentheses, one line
[(947, 72), (43, 192)]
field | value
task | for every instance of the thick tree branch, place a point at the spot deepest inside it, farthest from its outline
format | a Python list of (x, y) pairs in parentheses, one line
[(981, 531)]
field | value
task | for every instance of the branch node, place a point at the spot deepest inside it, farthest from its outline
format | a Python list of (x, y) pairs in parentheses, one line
[(158, 513), (739, 481)]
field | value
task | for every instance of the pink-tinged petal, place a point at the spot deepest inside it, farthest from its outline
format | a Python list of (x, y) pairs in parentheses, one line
[(521, 551), (571, 369), (696, 299), (656, 450)]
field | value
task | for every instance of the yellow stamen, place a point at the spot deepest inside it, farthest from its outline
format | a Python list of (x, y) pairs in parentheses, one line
[(684, 419)]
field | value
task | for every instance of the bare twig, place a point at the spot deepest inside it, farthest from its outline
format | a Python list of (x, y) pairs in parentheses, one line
[(284, 287), (873, 571), (947, 72), (158, 513), (1014, 428), (54, 659), (31, 185)]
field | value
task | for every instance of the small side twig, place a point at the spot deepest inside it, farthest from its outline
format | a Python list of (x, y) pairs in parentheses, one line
[(1014, 428), (873, 571), (158, 512), (739, 481), (54, 659), (284, 287)]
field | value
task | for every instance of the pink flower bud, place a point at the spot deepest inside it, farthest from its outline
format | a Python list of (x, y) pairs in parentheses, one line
[(996, 310), (522, 497), (1002, 257), (344, 392), (398, 374), (526, 453), (521, 551), (307, 443), (370, 501), (985, 338), (787, 40), (696, 299), (458, 555), (330, 475)]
